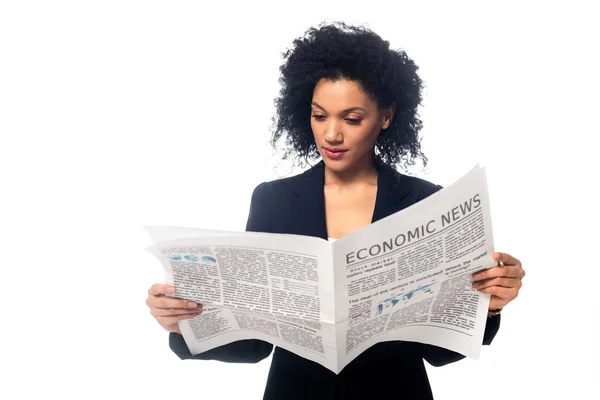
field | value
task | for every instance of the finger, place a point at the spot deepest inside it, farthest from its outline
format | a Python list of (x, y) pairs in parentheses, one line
[(504, 282), (172, 312), (168, 302), (161, 289), (506, 294), (507, 271), (505, 259), (497, 302), (165, 321)]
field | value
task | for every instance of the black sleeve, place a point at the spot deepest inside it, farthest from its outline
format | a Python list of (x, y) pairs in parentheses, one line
[(242, 351), (439, 356)]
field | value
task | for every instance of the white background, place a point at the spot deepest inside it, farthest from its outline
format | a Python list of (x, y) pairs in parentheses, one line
[(120, 114)]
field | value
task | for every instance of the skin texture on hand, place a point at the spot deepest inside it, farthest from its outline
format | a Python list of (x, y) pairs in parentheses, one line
[(502, 282), (168, 311)]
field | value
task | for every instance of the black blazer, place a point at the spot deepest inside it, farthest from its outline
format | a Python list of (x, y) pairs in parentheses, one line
[(389, 370)]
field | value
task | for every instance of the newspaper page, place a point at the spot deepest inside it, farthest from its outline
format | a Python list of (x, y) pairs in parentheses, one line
[(408, 276), (277, 288)]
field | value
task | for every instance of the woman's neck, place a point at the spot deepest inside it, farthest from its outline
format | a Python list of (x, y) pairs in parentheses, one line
[(363, 172)]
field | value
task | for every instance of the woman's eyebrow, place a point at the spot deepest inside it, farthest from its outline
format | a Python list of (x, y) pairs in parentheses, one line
[(347, 110)]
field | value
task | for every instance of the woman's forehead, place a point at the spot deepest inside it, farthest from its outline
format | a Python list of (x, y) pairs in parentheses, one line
[(340, 95)]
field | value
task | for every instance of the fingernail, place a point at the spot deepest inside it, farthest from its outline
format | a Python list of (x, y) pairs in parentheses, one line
[(171, 290), (191, 304), (496, 256)]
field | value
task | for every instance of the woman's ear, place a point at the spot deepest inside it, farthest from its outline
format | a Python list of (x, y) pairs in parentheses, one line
[(388, 115)]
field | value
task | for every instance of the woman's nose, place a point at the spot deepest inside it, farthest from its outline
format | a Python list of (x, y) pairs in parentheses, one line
[(333, 133)]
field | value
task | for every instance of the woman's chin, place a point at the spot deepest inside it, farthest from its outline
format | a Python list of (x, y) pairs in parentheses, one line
[(337, 165)]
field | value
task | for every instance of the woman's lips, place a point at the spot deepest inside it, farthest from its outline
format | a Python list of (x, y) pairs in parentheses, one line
[(334, 153)]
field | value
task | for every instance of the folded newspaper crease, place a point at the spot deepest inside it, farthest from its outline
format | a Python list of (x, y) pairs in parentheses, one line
[(405, 277)]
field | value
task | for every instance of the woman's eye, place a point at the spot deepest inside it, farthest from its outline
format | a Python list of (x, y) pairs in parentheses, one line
[(352, 121)]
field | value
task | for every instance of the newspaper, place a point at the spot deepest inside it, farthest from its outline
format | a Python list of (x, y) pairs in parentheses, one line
[(405, 277)]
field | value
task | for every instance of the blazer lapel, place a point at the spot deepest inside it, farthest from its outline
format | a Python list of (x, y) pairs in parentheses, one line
[(390, 191), (308, 210)]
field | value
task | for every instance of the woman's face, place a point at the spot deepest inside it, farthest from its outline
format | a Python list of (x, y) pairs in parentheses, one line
[(346, 123)]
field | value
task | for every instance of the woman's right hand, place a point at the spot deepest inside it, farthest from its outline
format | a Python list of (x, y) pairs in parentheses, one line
[(169, 310)]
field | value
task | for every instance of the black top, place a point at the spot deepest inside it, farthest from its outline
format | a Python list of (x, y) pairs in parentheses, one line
[(388, 370)]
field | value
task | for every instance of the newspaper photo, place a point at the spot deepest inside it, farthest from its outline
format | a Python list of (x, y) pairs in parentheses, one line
[(405, 277)]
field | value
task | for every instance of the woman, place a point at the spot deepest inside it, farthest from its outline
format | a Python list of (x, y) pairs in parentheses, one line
[(350, 99)]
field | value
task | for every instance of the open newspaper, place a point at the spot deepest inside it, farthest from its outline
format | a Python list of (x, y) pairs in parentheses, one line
[(405, 277)]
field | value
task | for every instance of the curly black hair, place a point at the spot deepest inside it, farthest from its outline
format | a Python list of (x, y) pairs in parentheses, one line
[(339, 51)]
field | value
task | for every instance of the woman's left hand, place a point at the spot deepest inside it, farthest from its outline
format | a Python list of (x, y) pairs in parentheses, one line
[(502, 282)]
